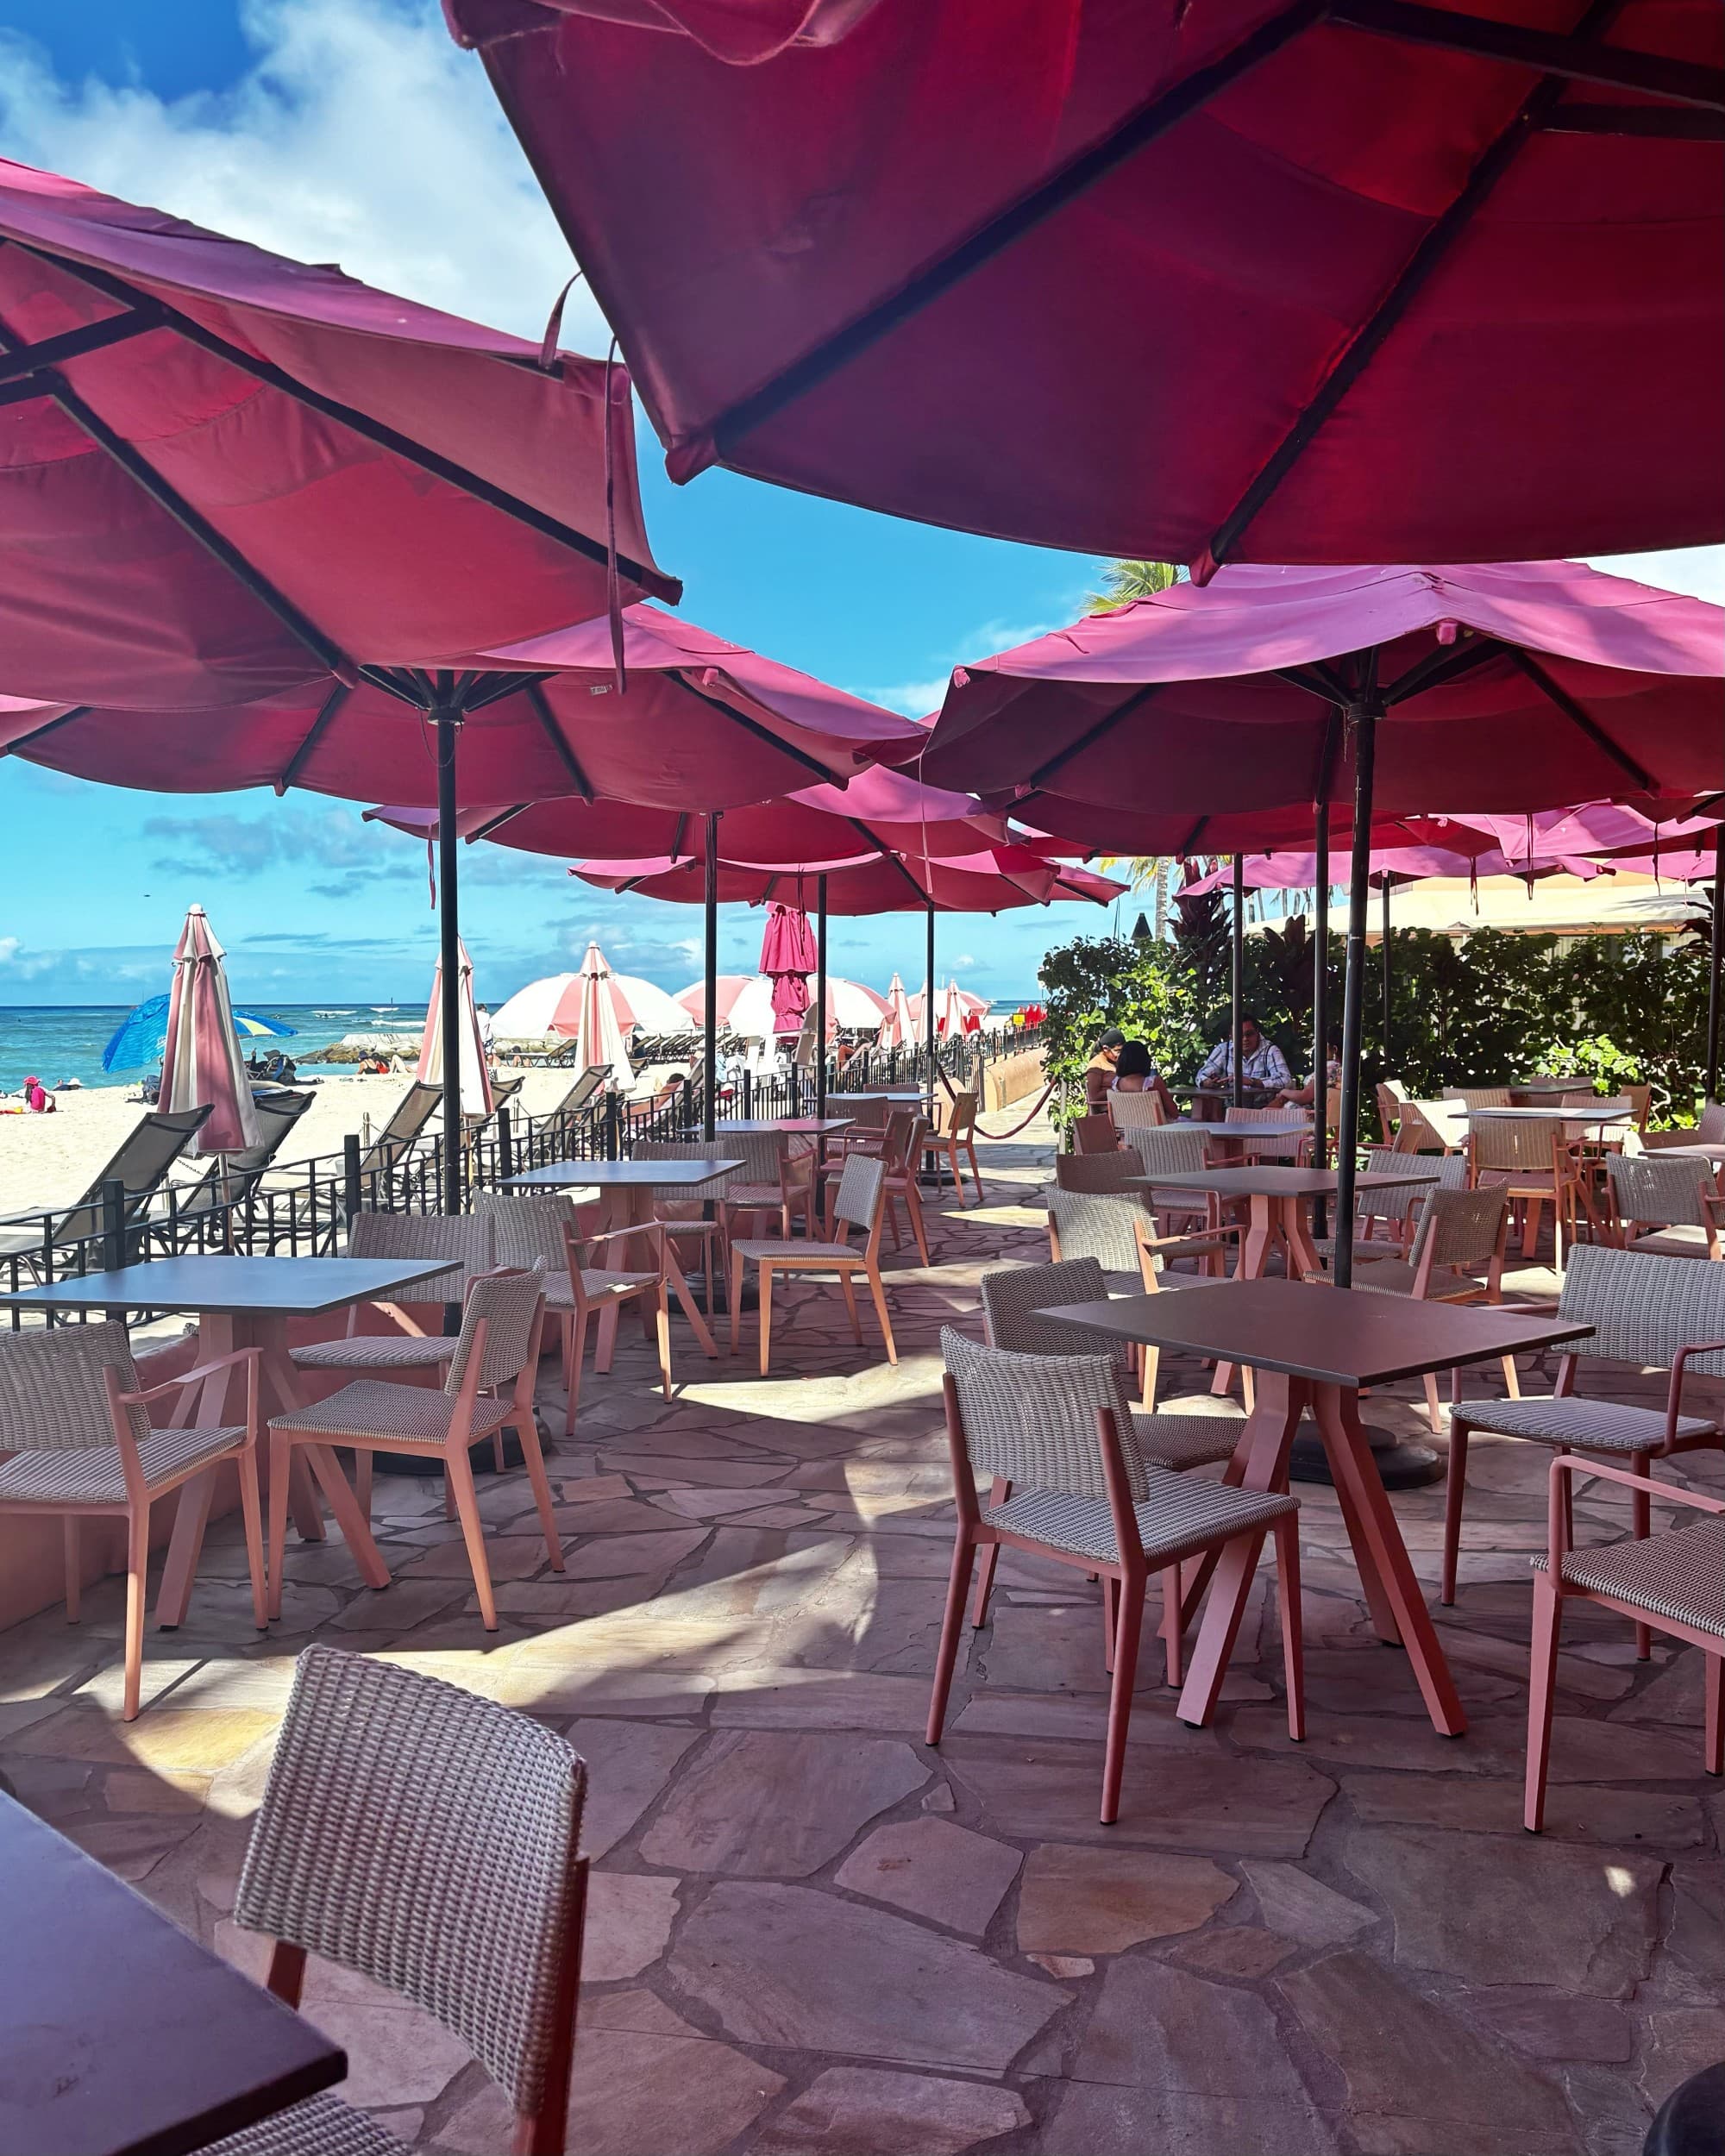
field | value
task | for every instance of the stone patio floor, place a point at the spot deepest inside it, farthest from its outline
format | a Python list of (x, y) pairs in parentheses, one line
[(808, 1931)]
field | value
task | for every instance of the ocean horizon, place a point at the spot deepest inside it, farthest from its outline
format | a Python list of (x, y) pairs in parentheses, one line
[(54, 1041)]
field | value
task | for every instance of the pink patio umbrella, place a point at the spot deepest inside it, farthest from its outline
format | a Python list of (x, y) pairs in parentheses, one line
[(475, 1075), (789, 957), (898, 1028), (1512, 688), (557, 1004), (1357, 281), (598, 1030), (202, 1062), (955, 1010), (744, 1005)]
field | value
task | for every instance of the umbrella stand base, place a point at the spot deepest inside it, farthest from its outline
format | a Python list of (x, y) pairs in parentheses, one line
[(1399, 1465), (697, 1282), (416, 1464)]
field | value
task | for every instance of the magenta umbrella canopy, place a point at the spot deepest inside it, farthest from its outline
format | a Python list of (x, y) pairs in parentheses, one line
[(789, 957), (1269, 281), (992, 882), (1602, 828), (879, 807), (702, 724), (1500, 688), (225, 476), (1400, 864)]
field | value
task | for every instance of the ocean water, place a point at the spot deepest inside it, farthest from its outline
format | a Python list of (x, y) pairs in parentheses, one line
[(57, 1041)]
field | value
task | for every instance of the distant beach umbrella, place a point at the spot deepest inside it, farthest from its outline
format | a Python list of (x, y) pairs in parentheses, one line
[(898, 1028), (554, 1006), (201, 1064), (476, 1093), (745, 1005), (139, 1039)]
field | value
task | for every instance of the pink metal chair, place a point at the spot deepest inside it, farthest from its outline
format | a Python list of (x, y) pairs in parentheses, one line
[(428, 1839), (77, 1424), (860, 1201), (1056, 1433), (1673, 1583)]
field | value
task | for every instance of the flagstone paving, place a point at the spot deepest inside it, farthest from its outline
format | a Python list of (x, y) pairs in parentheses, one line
[(809, 1933)]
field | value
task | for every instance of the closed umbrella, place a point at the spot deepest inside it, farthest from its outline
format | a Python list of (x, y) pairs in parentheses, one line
[(898, 1028), (1271, 280), (598, 1032), (475, 1075), (789, 957), (201, 1063)]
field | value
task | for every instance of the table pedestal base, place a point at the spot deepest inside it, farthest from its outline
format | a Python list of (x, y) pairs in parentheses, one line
[(1399, 1465)]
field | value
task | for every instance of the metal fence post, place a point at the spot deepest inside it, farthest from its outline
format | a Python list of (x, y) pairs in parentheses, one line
[(748, 1094), (350, 1175), (113, 1225), (505, 1145), (612, 1126)]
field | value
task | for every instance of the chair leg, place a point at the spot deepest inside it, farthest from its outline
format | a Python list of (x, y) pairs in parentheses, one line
[(251, 1506), (74, 1569), (607, 1346), (281, 1460), (1120, 1693), (1712, 1684), (879, 1294), (914, 1208), (1455, 1489), (1512, 1382), (1173, 1635), (848, 1289), (1530, 1234), (459, 1468), (574, 1355), (1110, 1617), (946, 1657), (1152, 1372), (998, 1495), (765, 1286), (540, 1484), (1641, 1526), (362, 1481), (356, 1533), (1541, 1683), (137, 1582), (975, 1171), (1434, 1413), (736, 1264), (1288, 1612), (662, 1322)]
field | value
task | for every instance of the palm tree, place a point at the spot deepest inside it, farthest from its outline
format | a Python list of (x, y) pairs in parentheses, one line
[(1123, 582)]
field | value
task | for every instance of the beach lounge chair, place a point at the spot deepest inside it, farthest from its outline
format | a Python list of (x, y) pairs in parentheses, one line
[(230, 1178), (52, 1244), (573, 1103), (380, 1163)]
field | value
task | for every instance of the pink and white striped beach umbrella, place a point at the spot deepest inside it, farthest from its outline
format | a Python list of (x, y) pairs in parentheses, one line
[(476, 1093), (898, 1028), (598, 1030), (201, 1060)]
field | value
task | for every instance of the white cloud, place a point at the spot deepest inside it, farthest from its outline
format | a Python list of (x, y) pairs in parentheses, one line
[(917, 699), (1700, 571), (361, 134)]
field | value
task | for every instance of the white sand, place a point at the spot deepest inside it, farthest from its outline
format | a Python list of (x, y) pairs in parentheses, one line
[(48, 1160)]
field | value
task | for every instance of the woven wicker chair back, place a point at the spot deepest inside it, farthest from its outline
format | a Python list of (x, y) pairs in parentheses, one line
[(1100, 1225), (1135, 1111), (860, 1187), (1502, 1144), (1013, 1295), (1168, 1151), (959, 1114), (1098, 1171), (1666, 1192), (1643, 1308), (54, 1395), (1478, 1096), (1460, 1227), (527, 1231), (427, 1838), (507, 1303), (465, 1241), (1032, 1418)]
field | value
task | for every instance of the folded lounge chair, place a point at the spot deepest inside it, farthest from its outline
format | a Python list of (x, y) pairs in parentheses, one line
[(52, 1246)]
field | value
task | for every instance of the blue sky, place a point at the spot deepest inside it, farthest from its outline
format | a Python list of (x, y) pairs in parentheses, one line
[(265, 118)]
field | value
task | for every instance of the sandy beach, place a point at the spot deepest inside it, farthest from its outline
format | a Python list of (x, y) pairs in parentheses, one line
[(48, 1160)]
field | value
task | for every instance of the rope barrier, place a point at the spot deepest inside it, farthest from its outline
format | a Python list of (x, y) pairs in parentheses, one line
[(999, 1137)]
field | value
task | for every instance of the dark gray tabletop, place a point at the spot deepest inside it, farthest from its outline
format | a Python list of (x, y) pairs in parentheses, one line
[(221, 1287), (790, 1125), (1337, 1335), (120, 2035), (621, 1174), (1268, 1181), (1250, 1133), (1605, 1113)]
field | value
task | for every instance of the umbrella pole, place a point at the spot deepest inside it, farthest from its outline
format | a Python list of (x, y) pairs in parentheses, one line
[(449, 954), (1364, 717), (710, 981), (1320, 1005), (819, 996), (1383, 939), (928, 1015), (1236, 980), (1713, 942)]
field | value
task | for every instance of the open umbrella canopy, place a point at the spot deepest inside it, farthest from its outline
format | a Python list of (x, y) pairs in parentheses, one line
[(1502, 688), (1603, 829), (202, 1065), (554, 1006), (993, 881), (879, 807), (1400, 864), (702, 724), (744, 1005), (142, 1035), (224, 475), (1273, 280)]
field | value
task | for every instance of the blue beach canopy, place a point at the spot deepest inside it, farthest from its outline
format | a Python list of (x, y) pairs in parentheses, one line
[(142, 1034)]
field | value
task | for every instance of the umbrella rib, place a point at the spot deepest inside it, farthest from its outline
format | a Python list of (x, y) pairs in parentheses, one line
[(1668, 123), (1575, 59), (1441, 666), (1191, 838), (764, 734), (677, 835), (1316, 679), (1088, 738), (1140, 127), (373, 430), (72, 344), (1409, 281), (314, 733), (196, 526), (542, 710), (49, 726), (886, 854), (1572, 711), (495, 823)]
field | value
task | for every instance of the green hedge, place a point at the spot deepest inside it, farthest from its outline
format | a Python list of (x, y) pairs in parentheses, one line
[(1614, 1008)]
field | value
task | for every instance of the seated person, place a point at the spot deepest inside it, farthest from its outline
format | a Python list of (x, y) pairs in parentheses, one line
[(1306, 1096), (1098, 1072), (1263, 1068), (1134, 1072)]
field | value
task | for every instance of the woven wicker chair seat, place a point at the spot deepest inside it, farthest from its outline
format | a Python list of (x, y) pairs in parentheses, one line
[(596, 1286), (376, 1352), (93, 1475), (1679, 1574), (801, 1248), (1182, 1441), (406, 1415), (1396, 1276), (757, 1197), (1681, 1240), (1590, 1426), (1181, 1515), (321, 2126)]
